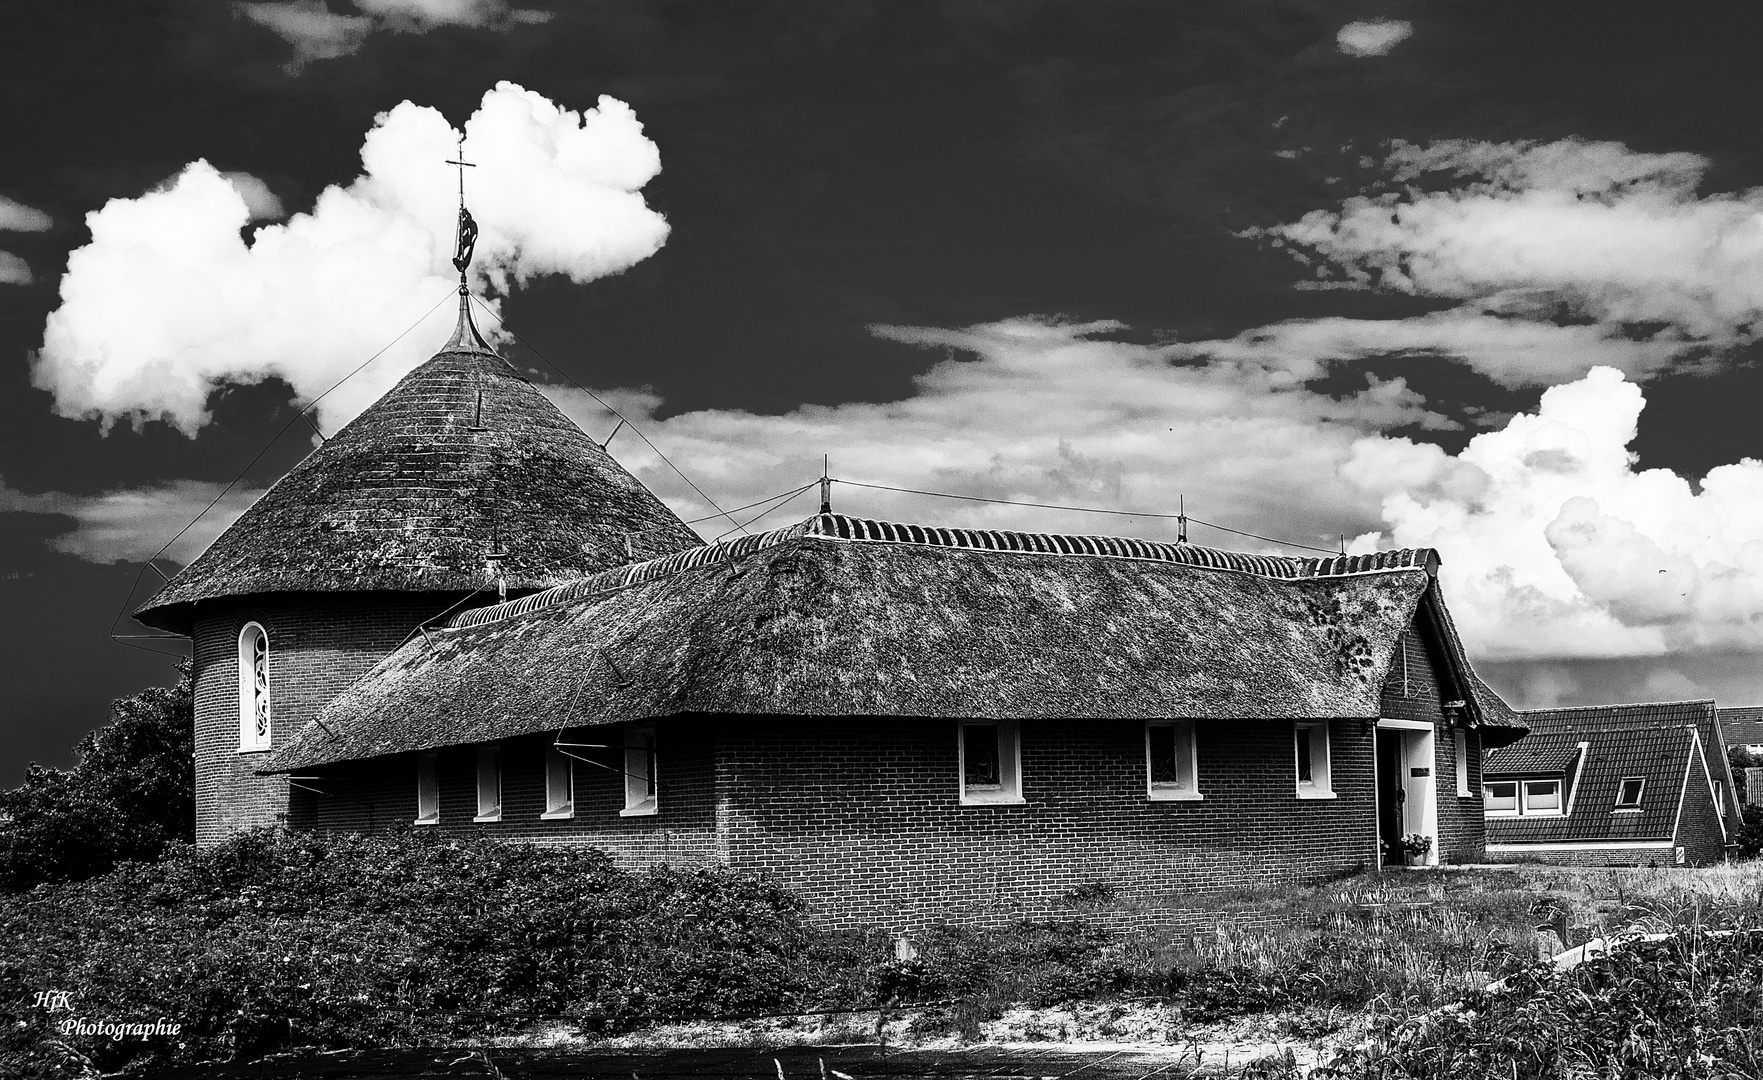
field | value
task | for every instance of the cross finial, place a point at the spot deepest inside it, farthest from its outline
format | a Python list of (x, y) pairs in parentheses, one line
[(463, 165), (465, 239)]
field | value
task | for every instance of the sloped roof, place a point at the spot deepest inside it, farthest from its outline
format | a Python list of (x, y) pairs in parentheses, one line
[(1743, 726), (1534, 755), (418, 491), (839, 616), (1659, 753)]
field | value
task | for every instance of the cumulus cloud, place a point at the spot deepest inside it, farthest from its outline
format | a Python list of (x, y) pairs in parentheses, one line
[(131, 524), (17, 217), (318, 33), (1372, 37), (260, 202), (1044, 412), (168, 301), (14, 270), (1555, 545)]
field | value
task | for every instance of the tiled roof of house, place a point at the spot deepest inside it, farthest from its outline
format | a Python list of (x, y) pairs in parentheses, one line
[(1743, 726), (1534, 755), (463, 459), (840, 616), (1654, 741)]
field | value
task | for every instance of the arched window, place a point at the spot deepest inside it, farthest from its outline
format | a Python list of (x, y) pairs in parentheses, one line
[(254, 712)]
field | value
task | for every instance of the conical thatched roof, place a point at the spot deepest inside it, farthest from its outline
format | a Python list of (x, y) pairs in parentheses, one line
[(421, 490), (841, 616)]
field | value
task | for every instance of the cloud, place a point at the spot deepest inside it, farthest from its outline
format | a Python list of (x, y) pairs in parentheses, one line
[(14, 270), (167, 302), (1045, 412), (132, 524), (1372, 37), (17, 217), (260, 202), (318, 33), (1554, 545)]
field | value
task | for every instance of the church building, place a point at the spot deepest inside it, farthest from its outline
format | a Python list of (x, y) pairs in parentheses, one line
[(459, 614)]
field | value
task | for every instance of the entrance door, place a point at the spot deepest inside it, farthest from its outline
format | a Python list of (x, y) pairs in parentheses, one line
[(1392, 794)]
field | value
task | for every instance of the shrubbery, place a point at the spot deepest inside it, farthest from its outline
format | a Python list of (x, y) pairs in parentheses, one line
[(131, 795), (275, 939)]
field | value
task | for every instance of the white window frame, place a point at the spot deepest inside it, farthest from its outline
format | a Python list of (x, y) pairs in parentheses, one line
[(1524, 797), (1187, 789), (1460, 742), (489, 782), (1633, 807), (559, 785), (1321, 782), (1487, 795), (642, 788), (1008, 790), (251, 696), (428, 788)]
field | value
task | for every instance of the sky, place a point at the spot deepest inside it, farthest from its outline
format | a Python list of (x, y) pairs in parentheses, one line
[(1486, 278)]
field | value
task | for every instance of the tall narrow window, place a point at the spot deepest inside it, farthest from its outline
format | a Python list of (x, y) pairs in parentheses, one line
[(1171, 772), (254, 715), (1460, 739), (428, 789), (489, 783), (1720, 798), (642, 795), (1311, 748), (559, 784), (990, 754)]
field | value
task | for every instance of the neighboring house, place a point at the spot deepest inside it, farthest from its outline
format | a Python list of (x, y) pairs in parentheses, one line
[(1612, 785), (904, 723), (1743, 727)]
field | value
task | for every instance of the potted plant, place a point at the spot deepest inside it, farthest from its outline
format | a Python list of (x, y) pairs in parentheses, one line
[(1414, 847)]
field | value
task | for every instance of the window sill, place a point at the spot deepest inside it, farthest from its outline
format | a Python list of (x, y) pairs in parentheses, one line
[(1632, 810), (990, 798), (254, 749), (1302, 794), (497, 816), (426, 821), (1499, 813), (640, 810), (1174, 795), (557, 815)]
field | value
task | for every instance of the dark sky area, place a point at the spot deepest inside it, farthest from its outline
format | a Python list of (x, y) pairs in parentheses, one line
[(827, 165)]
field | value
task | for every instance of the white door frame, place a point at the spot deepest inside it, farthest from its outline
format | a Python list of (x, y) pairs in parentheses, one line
[(1420, 810)]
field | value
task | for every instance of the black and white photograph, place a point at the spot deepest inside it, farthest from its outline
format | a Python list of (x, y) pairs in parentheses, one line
[(846, 539)]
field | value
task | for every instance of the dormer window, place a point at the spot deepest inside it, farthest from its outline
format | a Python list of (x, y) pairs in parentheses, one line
[(254, 711)]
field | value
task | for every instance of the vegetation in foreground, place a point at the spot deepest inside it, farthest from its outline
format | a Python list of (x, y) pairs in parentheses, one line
[(275, 940)]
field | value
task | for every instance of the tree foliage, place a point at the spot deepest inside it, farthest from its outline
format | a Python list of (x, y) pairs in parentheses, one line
[(130, 796)]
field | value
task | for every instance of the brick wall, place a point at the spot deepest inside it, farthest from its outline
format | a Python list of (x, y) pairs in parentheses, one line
[(1698, 825), (862, 817), (318, 644), (1660, 855), (1412, 692)]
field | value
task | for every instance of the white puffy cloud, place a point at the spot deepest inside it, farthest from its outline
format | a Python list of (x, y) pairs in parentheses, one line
[(318, 33), (14, 270), (17, 217), (260, 202), (1555, 545), (167, 301), (1372, 37), (1045, 412), (132, 524)]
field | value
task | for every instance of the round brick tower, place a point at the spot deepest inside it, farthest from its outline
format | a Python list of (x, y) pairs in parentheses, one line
[(463, 481)]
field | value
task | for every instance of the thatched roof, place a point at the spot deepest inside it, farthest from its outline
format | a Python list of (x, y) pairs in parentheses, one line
[(419, 491), (838, 616)]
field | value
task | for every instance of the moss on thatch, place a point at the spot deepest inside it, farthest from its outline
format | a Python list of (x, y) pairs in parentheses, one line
[(829, 618), (422, 489)]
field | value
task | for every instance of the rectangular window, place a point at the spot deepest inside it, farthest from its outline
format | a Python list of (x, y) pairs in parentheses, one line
[(641, 794), (990, 761), (1461, 739), (1313, 777), (1542, 797), (1500, 796), (559, 784), (489, 783), (1170, 761), (428, 789), (1628, 795)]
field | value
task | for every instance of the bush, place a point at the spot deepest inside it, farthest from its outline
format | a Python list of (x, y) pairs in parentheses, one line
[(280, 939), (131, 795)]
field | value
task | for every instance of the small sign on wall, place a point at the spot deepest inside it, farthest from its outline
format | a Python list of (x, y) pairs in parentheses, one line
[(1420, 772)]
